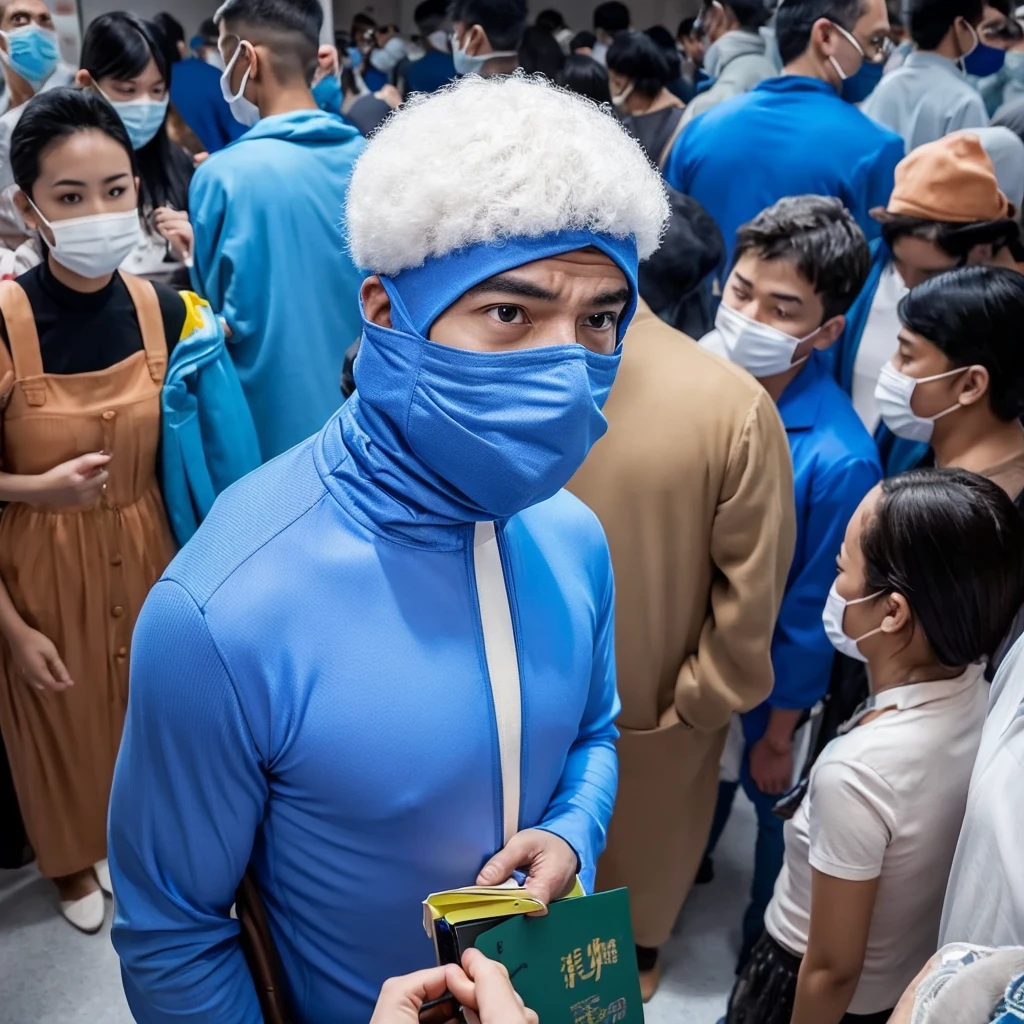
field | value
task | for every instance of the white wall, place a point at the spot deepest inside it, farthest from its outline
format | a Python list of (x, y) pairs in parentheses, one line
[(578, 13)]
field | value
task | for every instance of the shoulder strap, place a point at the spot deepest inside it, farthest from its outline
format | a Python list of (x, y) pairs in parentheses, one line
[(151, 323), (666, 151), (22, 335)]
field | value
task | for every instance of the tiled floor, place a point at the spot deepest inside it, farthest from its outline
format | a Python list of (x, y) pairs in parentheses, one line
[(50, 974)]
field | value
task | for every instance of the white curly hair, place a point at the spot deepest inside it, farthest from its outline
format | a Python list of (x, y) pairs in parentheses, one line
[(484, 160)]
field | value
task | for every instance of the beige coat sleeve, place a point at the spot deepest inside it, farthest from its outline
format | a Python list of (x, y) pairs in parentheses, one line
[(752, 543)]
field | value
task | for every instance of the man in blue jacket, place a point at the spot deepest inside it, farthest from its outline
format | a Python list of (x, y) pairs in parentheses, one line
[(384, 665), (799, 265), (267, 252), (795, 135)]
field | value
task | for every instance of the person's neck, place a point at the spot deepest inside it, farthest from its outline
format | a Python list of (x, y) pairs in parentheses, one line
[(777, 384), (948, 48), (499, 66), (905, 670), (808, 66), (76, 282), (645, 105), (288, 100), (975, 441), (17, 88)]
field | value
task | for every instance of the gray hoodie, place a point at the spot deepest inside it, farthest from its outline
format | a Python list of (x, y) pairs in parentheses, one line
[(737, 62)]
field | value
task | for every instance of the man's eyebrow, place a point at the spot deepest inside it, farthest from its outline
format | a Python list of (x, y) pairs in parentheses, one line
[(506, 285), (613, 298)]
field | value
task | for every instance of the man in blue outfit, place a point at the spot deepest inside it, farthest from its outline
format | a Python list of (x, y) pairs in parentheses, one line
[(796, 135), (436, 67), (267, 251), (799, 266), (384, 665)]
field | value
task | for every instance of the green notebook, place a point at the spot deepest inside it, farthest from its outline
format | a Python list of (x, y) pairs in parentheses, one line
[(576, 965)]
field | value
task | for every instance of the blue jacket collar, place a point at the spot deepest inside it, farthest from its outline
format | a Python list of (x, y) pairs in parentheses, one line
[(797, 83), (800, 402)]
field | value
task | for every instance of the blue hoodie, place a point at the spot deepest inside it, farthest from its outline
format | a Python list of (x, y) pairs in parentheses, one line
[(271, 258), (313, 681)]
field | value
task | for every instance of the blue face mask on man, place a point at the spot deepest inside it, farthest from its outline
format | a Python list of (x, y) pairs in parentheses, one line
[(32, 53), (984, 60), (858, 87)]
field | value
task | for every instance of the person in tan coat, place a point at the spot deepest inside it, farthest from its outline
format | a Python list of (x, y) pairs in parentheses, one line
[(694, 487)]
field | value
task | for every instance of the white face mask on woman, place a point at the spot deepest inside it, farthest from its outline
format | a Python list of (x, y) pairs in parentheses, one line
[(94, 245), (760, 349), (893, 394), (832, 619)]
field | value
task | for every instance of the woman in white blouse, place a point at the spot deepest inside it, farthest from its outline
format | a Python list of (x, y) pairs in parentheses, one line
[(930, 575)]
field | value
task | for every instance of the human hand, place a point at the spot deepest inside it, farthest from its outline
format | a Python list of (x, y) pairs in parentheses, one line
[(390, 95), (483, 988), (401, 999), (771, 766), (37, 662), (77, 483), (200, 158), (326, 63), (175, 226), (551, 861)]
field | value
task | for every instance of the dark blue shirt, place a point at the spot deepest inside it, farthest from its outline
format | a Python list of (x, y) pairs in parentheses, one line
[(195, 93), (788, 136), (430, 72)]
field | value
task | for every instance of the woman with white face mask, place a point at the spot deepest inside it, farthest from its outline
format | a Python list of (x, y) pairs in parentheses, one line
[(84, 535), (931, 572), (956, 380), (125, 62)]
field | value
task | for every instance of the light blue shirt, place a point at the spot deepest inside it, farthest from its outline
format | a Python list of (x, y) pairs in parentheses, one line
[(925, 99)]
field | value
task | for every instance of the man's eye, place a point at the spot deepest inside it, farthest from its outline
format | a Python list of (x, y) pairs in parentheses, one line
[(601, 321), (508, 314)]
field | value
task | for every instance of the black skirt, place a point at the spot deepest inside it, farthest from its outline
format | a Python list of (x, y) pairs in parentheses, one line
[(765, 991)]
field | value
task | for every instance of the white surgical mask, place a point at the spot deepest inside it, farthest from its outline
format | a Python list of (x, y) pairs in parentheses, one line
[(760, 349), (893, 394), (95, 245), (244, 111), (465, 64), (439, 40), (619, 102), (832, 619)]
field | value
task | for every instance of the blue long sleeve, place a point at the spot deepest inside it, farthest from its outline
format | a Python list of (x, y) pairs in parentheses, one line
[(878, 176), (187, 798), (581, 807), (801, 652)]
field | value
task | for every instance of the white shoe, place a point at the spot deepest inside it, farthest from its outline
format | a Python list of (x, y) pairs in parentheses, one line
[(102, 870), (85, 914)]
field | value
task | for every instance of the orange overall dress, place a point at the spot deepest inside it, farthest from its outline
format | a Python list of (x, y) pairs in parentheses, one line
[(79, 576)]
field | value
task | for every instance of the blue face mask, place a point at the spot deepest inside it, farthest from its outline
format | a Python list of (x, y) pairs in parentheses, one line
[(32, 53), (860, 86), (501, 430), (327, 94), (984, 60), (141, 118)]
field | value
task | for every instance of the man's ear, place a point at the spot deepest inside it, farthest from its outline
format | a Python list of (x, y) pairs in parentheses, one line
[(975, 386), (376, 304), (829, 333), (475, 42)]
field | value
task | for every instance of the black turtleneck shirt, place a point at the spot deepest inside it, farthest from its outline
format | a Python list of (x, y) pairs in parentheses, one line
[(84, 332)]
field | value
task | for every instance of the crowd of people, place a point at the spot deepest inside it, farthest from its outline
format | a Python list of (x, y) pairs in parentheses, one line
[(490, 448)]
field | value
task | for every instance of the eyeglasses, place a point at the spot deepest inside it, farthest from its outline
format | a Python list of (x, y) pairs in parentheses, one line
[(878, 48)]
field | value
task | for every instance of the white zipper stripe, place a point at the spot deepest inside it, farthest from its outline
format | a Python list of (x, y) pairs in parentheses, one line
[(502, 667)]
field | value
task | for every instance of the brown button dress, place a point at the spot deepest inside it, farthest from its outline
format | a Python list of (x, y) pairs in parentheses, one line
[(79, 576)]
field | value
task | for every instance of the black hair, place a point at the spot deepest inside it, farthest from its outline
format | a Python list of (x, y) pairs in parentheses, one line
[(57, 114), (685, 29), (612, 17), (430, 15), (586, 76), (750, 14), (952, 543), (582, 41), (973, 316), (929, 21), (794, 20), (637, 57), (119, 45), (207, 31), (662, 38), (539, 53), (956, 240), (362, 20), (291, 28), (819, 236), (503, 21), (551, 20), (173, 33)]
